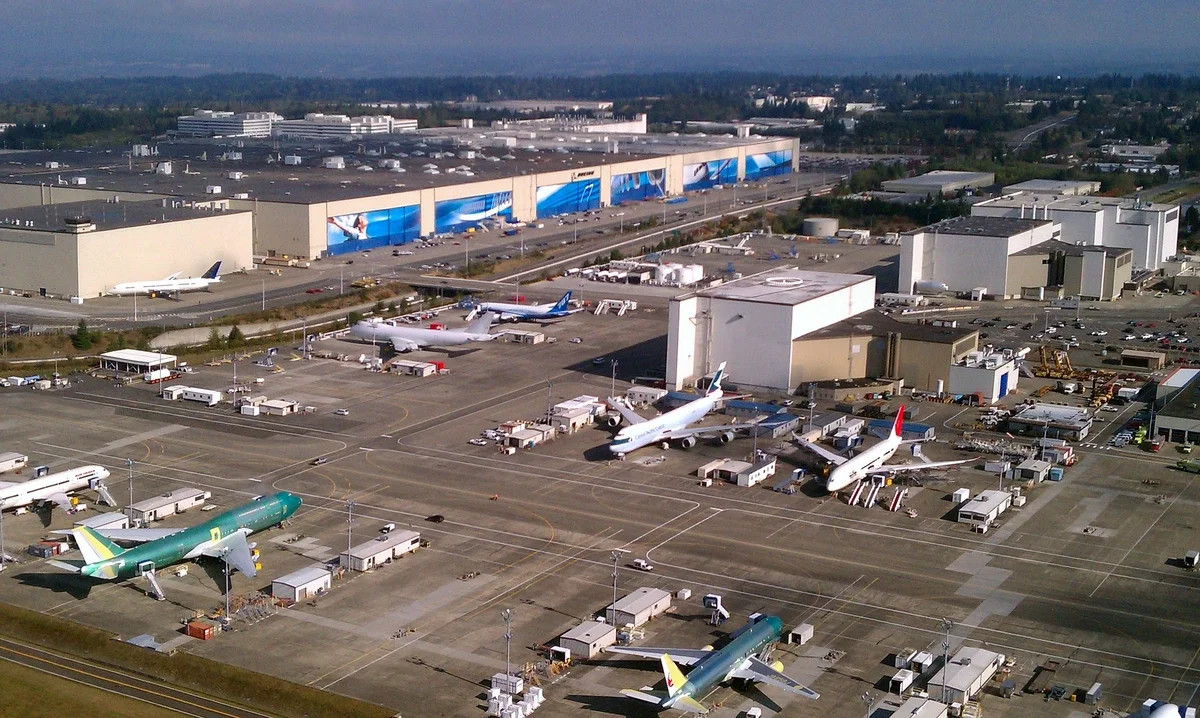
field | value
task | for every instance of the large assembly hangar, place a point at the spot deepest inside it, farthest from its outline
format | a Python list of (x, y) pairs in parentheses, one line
[(752, 322), (81, 249), (310, 201)]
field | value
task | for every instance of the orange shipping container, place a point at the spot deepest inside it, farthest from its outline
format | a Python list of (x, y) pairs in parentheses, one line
[(200, 629)]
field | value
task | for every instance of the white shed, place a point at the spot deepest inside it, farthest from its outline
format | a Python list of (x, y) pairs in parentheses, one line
[(110, 520), (303, 584), (917, 707), (967, 673), (638, 607), (588, 638), (168, 504), (985, 508), (377, 552)]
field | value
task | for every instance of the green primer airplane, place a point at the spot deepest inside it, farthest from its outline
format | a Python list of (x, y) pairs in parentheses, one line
[(222, 536)]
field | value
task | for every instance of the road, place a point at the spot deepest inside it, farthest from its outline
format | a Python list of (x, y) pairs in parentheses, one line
[(127, 684), (1020, 139)]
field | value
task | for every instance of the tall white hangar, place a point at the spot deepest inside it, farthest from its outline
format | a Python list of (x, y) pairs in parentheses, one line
[(751, 324)]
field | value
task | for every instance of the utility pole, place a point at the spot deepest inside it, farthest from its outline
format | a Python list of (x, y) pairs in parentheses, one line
[(947, 625), (507, 615)]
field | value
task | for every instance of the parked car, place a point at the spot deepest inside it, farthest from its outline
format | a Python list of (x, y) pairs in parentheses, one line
[(642, 564), (318, 461), (436, 518)]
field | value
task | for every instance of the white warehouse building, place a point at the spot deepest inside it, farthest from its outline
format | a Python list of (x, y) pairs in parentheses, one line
[(1151, 230), (752, 322), (966, 253)]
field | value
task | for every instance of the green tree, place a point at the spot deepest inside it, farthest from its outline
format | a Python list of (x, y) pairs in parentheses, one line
[(353, 318), (235, 338), (82, 338), (214, 339)]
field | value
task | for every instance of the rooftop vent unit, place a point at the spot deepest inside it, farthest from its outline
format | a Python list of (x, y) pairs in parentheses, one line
[(79, 224)]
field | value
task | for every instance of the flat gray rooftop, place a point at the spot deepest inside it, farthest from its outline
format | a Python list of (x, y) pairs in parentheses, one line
[(784, 285), (105, 215), (1074, 203), (1071, 250), (983, 226)]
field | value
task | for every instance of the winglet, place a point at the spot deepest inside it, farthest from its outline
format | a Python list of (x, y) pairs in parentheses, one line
[(561, 304), (675, 677), (213, 272), (715, 385), (95, 548), (898, 427)]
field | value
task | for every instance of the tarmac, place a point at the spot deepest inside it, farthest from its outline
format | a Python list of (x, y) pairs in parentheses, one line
[(534, 531)]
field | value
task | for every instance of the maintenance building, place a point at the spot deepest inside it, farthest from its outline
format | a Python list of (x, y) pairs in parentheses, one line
[(380, 551), (967, 673), (1179, 419), (638, 607), (168, 504), (588, 639), (940, 183), (303, 584), (918, 707)]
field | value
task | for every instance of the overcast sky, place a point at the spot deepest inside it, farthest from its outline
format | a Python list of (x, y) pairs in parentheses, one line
[(80, 38)]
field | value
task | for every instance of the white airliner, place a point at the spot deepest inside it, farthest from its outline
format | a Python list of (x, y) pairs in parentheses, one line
[(528, 312), (171, 285), (405, 339), (673, 425), (55, 487), (870, 462)]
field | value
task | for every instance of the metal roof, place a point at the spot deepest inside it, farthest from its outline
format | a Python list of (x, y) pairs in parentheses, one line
[(104, 215), (783, 285), (641, 600), (588, 632), (304, 576), (157, 502), (386, 542), (137, 356), (983, 226)]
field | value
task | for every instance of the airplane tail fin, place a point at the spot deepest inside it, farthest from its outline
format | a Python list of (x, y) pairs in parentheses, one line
[(213, 272), (719, 377), (675, 677), (562, 304), (481, 324), (898, 427), (95, 548)]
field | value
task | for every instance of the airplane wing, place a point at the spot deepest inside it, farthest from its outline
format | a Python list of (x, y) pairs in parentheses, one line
[(6, 484), (234, 550), (920, 466), (630, 415), (133, 536), (705, 431), (404, 345), (61, 499), (757, 670), (681, 656), (830, 456)]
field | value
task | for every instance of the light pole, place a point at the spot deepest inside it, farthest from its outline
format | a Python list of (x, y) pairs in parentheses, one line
[(264, 294), (3, 556), (341, 279), (869, 700), (225, 560), (616, 559), (349, 530), (507, 615), (947, 625), (129, 465), (613, 393)]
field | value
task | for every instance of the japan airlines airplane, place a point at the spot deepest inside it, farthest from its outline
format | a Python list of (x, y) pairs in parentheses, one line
[(406, 339), (528, 312), (55, 487), (673, 425), (870, 462), (171, 285), (744, 657)]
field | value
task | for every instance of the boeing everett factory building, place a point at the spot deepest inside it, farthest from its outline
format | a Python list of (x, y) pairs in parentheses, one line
[(308, 201)]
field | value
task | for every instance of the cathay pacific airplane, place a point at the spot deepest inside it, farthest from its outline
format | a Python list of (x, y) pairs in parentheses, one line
[(171, 285), (528, 312), (744, 657), (673, 425)]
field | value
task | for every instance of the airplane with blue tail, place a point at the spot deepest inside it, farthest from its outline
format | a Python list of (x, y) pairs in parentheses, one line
[(528, 312)]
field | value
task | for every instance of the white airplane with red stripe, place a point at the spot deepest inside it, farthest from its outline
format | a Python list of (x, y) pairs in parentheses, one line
[(848, 471)]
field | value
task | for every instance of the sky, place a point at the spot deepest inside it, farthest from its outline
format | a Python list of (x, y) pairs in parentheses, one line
[(378, 38)]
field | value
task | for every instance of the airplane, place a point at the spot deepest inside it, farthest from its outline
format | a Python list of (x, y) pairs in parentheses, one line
[(171, 285), (1161, 709), (870, 462), (531, 312), (406, 339), (673, 425), (55, 487), (222, 536), (745, 657)]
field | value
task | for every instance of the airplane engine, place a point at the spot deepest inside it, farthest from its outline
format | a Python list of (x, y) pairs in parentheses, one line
[(687, 442), (725, 437), (707, 648), (778, 665), (613, 421)]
